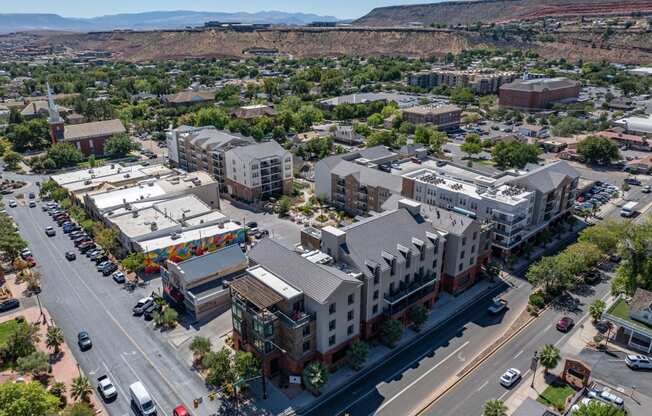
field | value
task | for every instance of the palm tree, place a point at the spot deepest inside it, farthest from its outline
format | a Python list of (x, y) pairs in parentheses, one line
[(494, 407), (54, 338), (80, 388), (549, 357)]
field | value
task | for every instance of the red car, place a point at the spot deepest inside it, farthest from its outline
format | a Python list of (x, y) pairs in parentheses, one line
[(180, 411), (565, 324)]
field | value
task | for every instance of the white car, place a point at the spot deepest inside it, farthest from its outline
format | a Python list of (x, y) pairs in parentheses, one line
[(635, 361), (106, 388), (510, 377), (607, 396), (119, 277), (12, 203)]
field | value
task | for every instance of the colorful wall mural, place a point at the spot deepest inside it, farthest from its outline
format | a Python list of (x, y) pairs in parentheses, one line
[(183, 251)]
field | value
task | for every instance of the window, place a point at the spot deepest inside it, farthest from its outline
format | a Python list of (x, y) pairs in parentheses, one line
[(349, 316), (393, 270), (375, 294), (306, 330), (331, 340), (349, 330), (463, 241), (391, 288), (472, 249), (462, 254), (434, 264), (377, 276), (407, 279), (461, 266), (475, 235), (351, 299), (471, 261), (331, 308), (375, 309), (331, 325), (237, 325), (408, 259), (306, 346)]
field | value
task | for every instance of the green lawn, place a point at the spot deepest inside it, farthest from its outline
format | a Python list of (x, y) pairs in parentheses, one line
[(6, 328), (556, 395), (621, 310)]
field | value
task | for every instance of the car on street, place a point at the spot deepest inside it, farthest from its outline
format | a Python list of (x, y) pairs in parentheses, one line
[(9, 304), (510, 377), (142, 304), (25, 253), (50, 232), (70, 255), (498, 306), (565, 324), (102, 265), (84, 341), (106, 388), (151, 310), (636, 361), (85, 246), (12, 203), (632, 181), (646, 189), (31, 195), (32, 204), (119, 277), (109, 268), (180, 411)]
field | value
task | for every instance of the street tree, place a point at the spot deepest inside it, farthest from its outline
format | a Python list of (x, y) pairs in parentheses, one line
[(20, 342), (167, 318), (58, 389), (596, 309), (245, 365), (12, 159), (494, 407), (54, 338), (26, 399), (315, 376), (418, 314), (391, 332), (472, 145), (64, 155), (606, 235), (200, 346), (220, 371), (81, 388), (598, 408), (549, 357), (357, 354), (107, 238), (284, 205), (134, 262), (119, 145), (79, 409), (35, 363), (598, 150)]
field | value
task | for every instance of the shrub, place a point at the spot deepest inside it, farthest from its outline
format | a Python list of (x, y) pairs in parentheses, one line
[(537, 300)]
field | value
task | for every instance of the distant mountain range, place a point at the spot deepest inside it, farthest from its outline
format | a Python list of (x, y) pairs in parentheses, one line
[(20, 22)]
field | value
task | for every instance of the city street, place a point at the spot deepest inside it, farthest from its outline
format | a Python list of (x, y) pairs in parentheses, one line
[(124, 347)]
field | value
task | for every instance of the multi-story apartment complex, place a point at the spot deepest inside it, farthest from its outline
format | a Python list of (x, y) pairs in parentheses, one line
[(479, 81), (258, 171), (538, 94), (243, 168), (202, 148), (445, 117), (518, 206), (291, 309)]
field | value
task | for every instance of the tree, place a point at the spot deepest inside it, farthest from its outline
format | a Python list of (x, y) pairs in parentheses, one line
[(494, 407), (472, 144), (598, 408), (315, 376), (167, 318), (12, 159), (549, 357), (357, 354), (79, 409), (391, 332), (20, 342), (64, 155), (58, 389), (462, 96), (31, 134), (375, 120), (35, 363), (107, 238), (11, 243), (605, 235), (245, 365), (418, 314), (134, 262), (211, 116), (54, 338), (514, 154), (284, 205), (596, 308), (26, 399), (598, 150), (544, 273), (200, 346), (219, 367), (119, 145), (81, 388)]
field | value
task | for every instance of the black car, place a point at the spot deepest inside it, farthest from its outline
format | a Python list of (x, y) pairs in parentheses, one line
[(88, 245), (84, 341), (9, 304), (149, 311), (79, 241), (99, 259), (70, 255), (252, 225), (109, 268), (31, 195)]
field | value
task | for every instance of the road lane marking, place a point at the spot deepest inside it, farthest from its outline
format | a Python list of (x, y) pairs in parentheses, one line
[(158, 405), (518, 355), (483, 385), (115, 381), (422, 376)]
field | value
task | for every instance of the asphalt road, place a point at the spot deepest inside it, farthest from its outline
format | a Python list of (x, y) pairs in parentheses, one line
[(468, 397), (124, 347)]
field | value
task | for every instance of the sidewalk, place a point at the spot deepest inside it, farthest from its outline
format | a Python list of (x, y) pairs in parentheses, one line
[(445, 307)]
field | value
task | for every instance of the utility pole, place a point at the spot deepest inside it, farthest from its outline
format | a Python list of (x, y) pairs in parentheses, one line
[(533, 366), (262, 376)]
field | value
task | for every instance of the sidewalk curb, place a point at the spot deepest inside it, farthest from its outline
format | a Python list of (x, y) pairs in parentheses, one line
[(481, 361), (488, 293)]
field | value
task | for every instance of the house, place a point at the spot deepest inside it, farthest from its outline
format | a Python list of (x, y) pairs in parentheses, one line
[(629, 141), (250, 112), (190, 97), (201, 282), (633, 320), (643, 164)]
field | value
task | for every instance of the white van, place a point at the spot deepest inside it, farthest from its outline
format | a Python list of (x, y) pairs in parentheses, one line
[(141, 399), (628, 209)]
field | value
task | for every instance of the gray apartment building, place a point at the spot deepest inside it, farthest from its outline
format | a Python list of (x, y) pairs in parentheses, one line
[(479, 81)]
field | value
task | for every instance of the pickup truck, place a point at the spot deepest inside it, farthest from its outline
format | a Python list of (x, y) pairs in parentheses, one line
[(497, 306), (106, 388)]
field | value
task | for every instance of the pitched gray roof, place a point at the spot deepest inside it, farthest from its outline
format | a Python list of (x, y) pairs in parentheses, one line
[(370, 153), (538, 85), (230, 259), (316, 281), (369, 176), (259, 150), (548, 177), (212, 139)]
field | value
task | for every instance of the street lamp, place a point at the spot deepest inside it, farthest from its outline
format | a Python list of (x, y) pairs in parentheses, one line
[(533, 366), (262, 369)]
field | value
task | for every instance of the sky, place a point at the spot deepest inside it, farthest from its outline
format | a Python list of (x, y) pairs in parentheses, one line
[(343, 9)]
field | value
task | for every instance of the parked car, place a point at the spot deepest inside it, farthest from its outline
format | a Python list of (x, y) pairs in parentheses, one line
[(79, 241), (102, 265), (149, 312), (142, 304), (25, 253), (32, 204), (606, 396), (31, 195), (88, 245), (632, 181), (565, 324), (70, 255), (510, 377), (9, 304), (84, 341), (119, 277), (497, 306), (50, 232), (646, 189), (12, 203), (636, 361), (106, 388), (110, 268), (180, 411)]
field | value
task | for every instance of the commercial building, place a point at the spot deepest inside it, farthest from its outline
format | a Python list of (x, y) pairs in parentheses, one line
[(445, 117), (289, 310), (402, 100), (538, 94), (630, 141), (640, 125), (479, 81), (633, 320), (259, 171), (200, 283)]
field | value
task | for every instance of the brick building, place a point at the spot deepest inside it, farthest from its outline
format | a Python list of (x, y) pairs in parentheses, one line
[(445, 117), (538, 94)]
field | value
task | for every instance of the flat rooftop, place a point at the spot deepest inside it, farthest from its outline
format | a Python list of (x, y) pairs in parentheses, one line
[(189, 235), (127, 195), (274, 282), (143, 222), (97, 172), (183, 207)]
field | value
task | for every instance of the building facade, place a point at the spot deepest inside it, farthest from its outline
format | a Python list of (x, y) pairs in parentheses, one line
[(538, 94), (479, 81), (445, 117)]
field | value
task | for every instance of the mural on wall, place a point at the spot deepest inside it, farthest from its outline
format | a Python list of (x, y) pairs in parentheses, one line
[(183, 251)]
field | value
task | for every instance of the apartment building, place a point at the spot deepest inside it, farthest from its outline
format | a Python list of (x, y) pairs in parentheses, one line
[(479, 81), (445, 117), (290, 310), (538, 94), (202, 148), (258, 171)]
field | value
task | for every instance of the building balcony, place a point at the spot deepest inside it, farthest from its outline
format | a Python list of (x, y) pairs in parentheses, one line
[(415, 287), (297, 320)]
